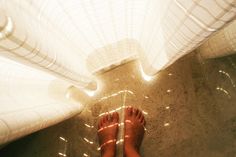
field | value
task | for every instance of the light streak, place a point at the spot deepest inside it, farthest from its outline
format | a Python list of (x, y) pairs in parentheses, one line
[(166, 124), (61, 154)]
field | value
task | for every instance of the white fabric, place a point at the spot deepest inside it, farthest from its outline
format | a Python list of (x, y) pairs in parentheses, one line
[(222, 43), (64, 33), (28, 101)]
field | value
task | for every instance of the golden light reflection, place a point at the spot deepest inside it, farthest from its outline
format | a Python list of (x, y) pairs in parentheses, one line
[(130, 122), (121, 124), (224, 91), (168, 90), (109, 126), (127, 136), (90, 93), (167, 107), (120, 141), (62, 138), (228, 76), (7, 29), (167, 124), (109, 141), (170, 74), (86, 140), (89, 126), (115, 94), (145, 129), (61, 154), (144, 112), (117, 109), (112, 111), (145, 76), (85, 154)]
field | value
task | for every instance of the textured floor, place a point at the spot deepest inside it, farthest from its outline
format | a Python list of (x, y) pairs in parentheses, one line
[(190, 109)]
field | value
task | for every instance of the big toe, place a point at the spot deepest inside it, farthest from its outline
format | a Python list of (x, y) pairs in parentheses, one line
[(135, 111), (128, 111), (139, 114)]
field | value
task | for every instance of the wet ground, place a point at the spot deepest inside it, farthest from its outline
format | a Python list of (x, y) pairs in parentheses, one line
[(190, 109)]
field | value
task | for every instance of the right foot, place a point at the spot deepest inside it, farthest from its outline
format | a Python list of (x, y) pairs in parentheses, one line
[(107, 132), (134, 131)]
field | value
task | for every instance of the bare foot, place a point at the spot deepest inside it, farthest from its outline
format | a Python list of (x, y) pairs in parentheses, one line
[(107, 132), (134, 131)]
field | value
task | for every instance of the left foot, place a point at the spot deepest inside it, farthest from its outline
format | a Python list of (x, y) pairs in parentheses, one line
[(107, 132), (134, 131)]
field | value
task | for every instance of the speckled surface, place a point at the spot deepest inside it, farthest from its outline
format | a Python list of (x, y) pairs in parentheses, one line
[(190, 106)]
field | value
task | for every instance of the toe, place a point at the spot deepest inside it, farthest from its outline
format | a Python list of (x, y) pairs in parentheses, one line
[(110, 117), (135, 111), (128, 111), (107, 117), (104, 120), (139, 114), (115, 117)]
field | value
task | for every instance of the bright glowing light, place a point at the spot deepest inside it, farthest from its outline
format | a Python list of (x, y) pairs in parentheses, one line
[(121, 124), (109, 141), (229, 77), (90, 93), (120, 141), (89, 126), (67, 95), (63, 139), (130, 122), (85, 154), (145, 112), (167, 107), (61, 154), (86, 140), (224, 91), (169, 90), (7, 29), (129, 91), (117, 109), (115, 94), (109, 126), (145, 76), (166, 124), (9, 26)]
